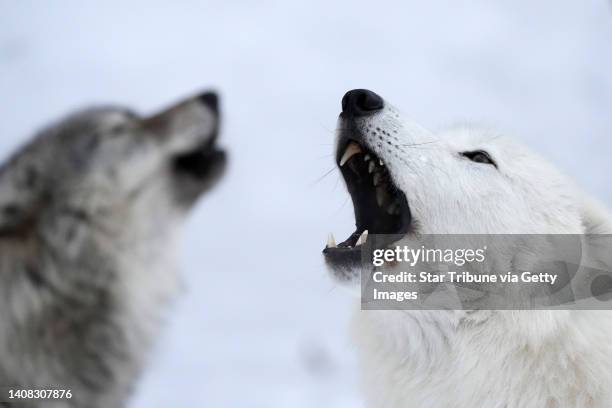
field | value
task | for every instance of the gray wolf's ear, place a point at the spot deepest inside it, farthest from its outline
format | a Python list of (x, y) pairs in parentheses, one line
[(595, 218)]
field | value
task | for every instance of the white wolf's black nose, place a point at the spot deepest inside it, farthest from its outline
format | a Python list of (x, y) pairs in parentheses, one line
[(361, 102)]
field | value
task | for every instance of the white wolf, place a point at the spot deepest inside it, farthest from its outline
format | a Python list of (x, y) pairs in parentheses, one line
[(89, 213), (405, 180)]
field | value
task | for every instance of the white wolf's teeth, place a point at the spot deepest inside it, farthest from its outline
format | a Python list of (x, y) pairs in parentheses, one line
[(371, 167), (366, 157), (362, 238), (331, 242), (380, 162), (351, 150)]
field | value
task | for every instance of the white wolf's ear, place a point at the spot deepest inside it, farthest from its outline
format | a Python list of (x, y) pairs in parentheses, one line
[(595, 217)]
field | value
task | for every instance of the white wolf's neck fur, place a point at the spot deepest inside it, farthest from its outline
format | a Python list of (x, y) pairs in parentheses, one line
[(487, 358)]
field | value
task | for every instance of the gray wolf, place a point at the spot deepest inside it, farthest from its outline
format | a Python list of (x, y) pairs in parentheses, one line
[(90, 213), (405, 180)]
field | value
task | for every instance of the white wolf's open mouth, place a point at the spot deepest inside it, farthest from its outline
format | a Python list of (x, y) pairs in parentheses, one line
[(380, 208)]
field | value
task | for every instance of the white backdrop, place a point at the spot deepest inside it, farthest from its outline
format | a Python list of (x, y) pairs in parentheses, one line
[(259, 323)]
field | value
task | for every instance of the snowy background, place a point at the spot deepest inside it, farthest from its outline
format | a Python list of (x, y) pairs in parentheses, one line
[(273, 334)]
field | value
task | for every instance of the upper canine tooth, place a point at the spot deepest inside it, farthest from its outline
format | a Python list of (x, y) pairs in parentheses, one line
[(366, 157), (351, 150), (380, 162), (362, 238), (331, 242)]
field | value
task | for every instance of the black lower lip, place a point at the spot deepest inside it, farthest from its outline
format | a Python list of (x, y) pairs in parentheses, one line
[(345, 257), (361, 255)]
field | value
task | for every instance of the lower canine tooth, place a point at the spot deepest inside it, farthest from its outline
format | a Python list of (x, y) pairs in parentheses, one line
[(371, 167), (351, 150), (362, 238), (331, 242)]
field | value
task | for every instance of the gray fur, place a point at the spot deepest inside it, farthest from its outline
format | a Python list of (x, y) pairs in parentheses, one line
[(89, 212)]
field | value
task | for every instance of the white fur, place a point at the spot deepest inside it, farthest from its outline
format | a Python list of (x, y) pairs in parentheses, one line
[(485, 358)]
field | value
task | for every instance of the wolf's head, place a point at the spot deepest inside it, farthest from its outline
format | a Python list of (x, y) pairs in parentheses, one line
[(111, 160), (405, 180)]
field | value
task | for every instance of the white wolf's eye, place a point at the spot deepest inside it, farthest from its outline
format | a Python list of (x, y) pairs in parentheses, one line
[(479, 156)]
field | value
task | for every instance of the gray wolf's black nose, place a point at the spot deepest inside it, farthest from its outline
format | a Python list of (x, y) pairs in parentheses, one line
[(211, 100), (361, 102)]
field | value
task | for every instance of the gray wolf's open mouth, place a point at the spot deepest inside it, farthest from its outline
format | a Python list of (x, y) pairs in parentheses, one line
[(201, 162), (380, 208)]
